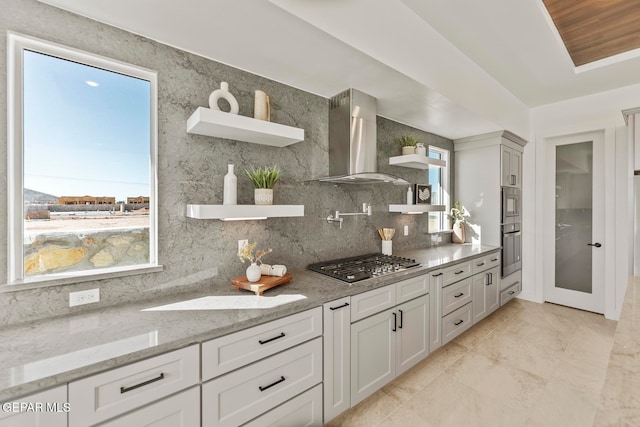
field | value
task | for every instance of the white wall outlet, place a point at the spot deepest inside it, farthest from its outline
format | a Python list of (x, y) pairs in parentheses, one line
[(84, 297), (242, 243), (406, 230)]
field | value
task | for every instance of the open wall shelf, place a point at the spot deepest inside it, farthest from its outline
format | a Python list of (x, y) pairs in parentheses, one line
[(416, 209), (416, 161), (243, 212)]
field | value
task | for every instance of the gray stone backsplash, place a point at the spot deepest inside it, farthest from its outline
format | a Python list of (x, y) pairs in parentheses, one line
[(202, 253)]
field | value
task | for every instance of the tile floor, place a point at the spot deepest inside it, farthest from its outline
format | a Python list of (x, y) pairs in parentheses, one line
[(527, 364)]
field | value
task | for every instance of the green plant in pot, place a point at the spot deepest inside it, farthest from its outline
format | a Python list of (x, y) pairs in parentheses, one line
[(408, 144), (458, 214), (263, 180)]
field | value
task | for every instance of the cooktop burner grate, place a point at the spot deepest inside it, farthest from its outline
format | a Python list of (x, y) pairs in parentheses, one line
[(363, 267)]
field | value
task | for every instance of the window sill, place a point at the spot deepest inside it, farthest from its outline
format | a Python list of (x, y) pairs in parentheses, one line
[(75, 277)]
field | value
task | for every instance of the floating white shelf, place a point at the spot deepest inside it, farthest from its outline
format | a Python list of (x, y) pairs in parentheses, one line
[(416, 161), (243, 212), (205, 121), (416, 209)]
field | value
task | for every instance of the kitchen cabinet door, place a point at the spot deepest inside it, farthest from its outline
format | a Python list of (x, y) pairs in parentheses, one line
[(516, 168), (337, 360), (511, 167), (412, 338), (486, 292), (493, 291), (435, 309), (372, 354)]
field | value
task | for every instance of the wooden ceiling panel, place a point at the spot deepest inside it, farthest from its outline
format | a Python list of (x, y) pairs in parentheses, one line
[(596, 29)]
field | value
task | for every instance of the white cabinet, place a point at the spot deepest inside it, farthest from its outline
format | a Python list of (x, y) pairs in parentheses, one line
[(485, 293), (304, 410), (456, 322), (54, 416), (337, 357), (386, 344), (180, 410), (511, 161), (103, 396), (368, 303), (436, 280)]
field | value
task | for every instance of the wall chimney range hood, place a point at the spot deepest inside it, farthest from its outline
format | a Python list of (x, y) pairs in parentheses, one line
[(352, 141)]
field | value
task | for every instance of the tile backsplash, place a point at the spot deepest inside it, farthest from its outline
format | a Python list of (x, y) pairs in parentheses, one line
[(202, 253)]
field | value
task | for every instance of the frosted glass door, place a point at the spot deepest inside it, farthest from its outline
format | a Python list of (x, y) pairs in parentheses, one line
[(574, 216)]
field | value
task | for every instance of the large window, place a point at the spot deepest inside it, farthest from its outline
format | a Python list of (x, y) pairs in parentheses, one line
[(82, 156), (439, 181)]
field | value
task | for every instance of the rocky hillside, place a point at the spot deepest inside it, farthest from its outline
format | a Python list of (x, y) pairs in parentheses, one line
[(36, 197)]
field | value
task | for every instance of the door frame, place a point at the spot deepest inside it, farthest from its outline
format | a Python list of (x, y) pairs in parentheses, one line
[(595, 301)]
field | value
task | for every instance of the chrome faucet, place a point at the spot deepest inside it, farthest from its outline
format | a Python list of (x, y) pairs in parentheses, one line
[(366, 210)]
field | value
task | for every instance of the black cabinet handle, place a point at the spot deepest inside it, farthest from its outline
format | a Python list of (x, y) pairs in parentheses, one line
[(346, 304), (395, 318), (489, 279), (597, 245), (272, 339), (480, 265), (142, 384), (437, 274), (459, 272), (272, 384), (494, 260), (459, 295), (511, 292), (458, 322), (400, 326)]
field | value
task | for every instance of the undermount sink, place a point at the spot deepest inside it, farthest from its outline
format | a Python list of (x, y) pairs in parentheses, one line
[(229, 302)]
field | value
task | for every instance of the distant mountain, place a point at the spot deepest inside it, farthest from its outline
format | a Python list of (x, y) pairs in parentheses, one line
[(36, 197)]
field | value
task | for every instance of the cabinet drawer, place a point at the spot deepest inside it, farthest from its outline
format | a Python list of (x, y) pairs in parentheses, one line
[(56, 396), (510, 293), (456, 295), (224, 354), (242, 395), (411, 288), (107, 395), (304, 410), (485, 263), (372, 302), (457, 272), (456, 323), (180, 410)]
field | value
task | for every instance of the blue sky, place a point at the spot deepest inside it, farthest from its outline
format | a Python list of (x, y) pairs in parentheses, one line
[(82, 139)]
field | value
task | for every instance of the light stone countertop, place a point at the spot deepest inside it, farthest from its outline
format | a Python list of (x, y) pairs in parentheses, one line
[(620, 399), (50, 352)]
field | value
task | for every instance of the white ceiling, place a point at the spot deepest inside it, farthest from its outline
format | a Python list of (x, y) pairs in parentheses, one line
[(452, 67)]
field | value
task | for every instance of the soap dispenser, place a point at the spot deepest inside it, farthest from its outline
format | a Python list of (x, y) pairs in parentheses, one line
[(409, 196)]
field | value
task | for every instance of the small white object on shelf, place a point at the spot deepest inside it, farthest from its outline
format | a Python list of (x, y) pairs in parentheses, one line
[(223, 93), (243, 212), (205, 121), (230, 190), (416, 161), (409, 196), (387, 247), (416, 209)]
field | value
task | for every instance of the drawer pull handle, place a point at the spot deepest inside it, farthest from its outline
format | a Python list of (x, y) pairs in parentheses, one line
[(511, 292), (437, 274), (272, 384), (400, 326), (458, 322), (395, 322), (272, 339), (459, 295), (142, 384), (459, 272), (346, 304), (480, 265), (494, 260)]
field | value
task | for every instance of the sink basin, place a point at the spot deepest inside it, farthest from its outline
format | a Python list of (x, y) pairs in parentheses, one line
[(229, 302)]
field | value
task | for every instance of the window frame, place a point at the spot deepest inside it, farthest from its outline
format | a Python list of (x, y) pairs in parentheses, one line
[(445, 155), (16, 45)]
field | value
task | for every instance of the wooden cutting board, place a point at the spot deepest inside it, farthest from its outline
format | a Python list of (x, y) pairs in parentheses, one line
[(265, 282)]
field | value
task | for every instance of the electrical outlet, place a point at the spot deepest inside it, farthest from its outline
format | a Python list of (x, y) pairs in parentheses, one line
[(84, 297), (406, 230), (242, 243)]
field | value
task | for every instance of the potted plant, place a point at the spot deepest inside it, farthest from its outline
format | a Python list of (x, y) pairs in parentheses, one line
[(263, 180), (458, 214), (408, 144)]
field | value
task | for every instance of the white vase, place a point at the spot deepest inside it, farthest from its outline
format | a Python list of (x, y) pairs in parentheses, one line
[(408, 150), (230, 190), (263, 196), (458, 233), (387, 247), (261, 106), (421, 149), (223, 93), (253, 272)]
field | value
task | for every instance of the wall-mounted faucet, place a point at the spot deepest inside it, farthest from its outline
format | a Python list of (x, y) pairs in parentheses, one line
[(366, 210)]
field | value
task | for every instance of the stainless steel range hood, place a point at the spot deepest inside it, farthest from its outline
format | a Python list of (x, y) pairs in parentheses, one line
[(352, 141)]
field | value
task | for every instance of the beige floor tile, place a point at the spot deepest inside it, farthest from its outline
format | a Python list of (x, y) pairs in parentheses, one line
[(418, 377), (367, 413), (405, 417), (563, 406)]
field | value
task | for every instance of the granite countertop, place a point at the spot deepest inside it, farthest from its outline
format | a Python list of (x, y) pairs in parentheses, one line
[(620, 401), (49, 352)]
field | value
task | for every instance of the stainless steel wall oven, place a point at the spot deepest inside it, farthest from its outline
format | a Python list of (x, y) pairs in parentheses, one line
[(510, 228)]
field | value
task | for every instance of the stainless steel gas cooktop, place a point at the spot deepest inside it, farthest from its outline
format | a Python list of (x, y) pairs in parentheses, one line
[(363, 267)]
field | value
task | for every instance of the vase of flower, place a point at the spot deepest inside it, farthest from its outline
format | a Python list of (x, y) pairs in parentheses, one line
[(253, 272), (263, 180), (457, 235), (458, 215)]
